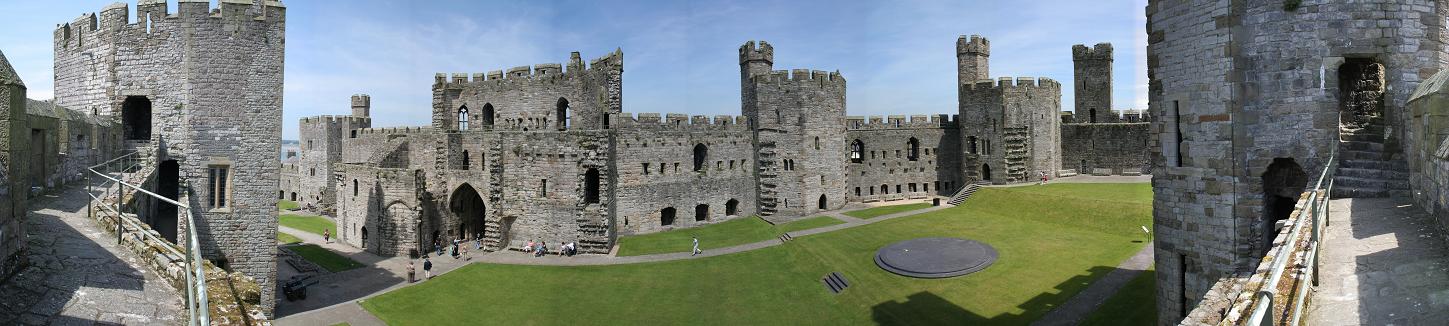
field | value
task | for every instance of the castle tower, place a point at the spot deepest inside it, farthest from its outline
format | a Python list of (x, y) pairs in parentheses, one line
[(361, 105), (1092, 81), (14, 128), (972, 58), (754, 61), (198, 93), (798, 116)]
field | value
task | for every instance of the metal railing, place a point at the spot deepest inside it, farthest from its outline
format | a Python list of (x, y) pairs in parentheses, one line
[(1315, 215), (126, 165)]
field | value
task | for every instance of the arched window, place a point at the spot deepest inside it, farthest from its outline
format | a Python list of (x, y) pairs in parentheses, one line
[(591, 186), (463, 118), (465, 161), (666, 216), (971, 144), (487, 114), (354, 187), (562, 114), (817, 142), (701, 154), (913, 149), (885, 189), (857, 151)]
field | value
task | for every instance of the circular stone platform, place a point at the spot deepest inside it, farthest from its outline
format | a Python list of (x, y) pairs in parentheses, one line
[(935, 257)]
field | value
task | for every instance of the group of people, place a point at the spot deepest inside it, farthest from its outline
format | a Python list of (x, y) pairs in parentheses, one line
[(427, 269), (540, 248), (458, 249)]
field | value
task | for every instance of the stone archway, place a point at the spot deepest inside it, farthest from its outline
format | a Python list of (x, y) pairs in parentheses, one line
[(1283, 183), (469, 207)]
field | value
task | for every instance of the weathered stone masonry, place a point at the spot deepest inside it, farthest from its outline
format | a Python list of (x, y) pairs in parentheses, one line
[(200, 87)]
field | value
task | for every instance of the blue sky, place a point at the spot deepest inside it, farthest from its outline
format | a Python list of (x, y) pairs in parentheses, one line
[(679, 56)]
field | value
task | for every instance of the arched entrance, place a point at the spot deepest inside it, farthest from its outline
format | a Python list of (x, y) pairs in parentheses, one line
[(468, 206), (1283, 182), (1361, 85), (666, 216), (986, 172), (136, 118), (364, 237), (822, 202), (731, 206), (701, 212)]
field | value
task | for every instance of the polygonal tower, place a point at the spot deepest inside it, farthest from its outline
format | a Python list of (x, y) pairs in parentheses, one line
[(199, 97)]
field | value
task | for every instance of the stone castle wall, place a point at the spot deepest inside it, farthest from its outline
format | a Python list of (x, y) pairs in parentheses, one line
[(654, 162), (885, 170), (1426, 145), (799, 118), (321, 140), (13, 122), (1105, 148), (1258, 84), (1092, 83), (221, 108), (1016, 127)]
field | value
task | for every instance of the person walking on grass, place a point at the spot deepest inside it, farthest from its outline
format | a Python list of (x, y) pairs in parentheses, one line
[(696, 246), (427, 268)]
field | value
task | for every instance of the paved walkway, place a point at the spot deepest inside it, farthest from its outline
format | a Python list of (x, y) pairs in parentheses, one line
[(1076, 309), (1385, 262), (1088, 179), (78, 275)]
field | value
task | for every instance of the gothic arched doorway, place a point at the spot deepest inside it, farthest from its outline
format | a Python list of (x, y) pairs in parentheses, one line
[(468, 206)]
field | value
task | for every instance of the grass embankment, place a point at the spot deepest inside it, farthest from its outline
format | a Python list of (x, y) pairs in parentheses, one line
[(885, 210), (325, 258), (285, 239), (1052, 240), (719, 235), (287, 205), (1134, 304), (311, 224)]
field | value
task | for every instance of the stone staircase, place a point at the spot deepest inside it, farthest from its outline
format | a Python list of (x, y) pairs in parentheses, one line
[(1016, 154), (1365, 169), (769, 178), (964, 193)]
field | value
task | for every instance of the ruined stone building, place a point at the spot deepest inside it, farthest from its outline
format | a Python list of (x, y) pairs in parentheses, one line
[(547, 153), (196, 94), (1248, 102)]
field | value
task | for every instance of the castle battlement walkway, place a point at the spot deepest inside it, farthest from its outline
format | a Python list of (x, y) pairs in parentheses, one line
[(1385, 262)]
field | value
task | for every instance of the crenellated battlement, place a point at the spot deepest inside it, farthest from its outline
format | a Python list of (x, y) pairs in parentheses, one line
[(975, 44), (394, 131), (802, 76), (1010, 82), (546, 72), (113, 23), (1101, 51), (764, 52), (676, 121), (915, 121), (331, 119)]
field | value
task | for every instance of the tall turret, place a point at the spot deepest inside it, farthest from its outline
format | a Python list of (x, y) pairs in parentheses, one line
[(361, 105), (754, 61), (1092, 82), (972, 58)]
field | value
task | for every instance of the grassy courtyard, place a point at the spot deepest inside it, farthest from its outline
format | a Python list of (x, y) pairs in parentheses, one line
[(284, 238), (287, 205), (885, 210), (719, 235), (325, 258), (1053, 241), (1134, 304), (311, 224)]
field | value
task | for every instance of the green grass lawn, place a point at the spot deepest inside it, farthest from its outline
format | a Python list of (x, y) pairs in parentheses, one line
[(1047, 254), (1134, 304), (719, 235), (325, 258), (885, 210), (287, 205), (284, 238), (312, 224)]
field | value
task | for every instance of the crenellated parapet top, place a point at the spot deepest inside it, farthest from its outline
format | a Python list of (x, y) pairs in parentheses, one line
[(543, 72), (975, 44), (764, 52), (394, 131), (334, 119), (915, 121), (153, 15), (1101, 51), (675, 121), (1017, 82), (809, 77)]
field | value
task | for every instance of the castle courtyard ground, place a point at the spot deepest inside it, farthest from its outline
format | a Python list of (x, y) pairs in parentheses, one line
[(1054, 241)]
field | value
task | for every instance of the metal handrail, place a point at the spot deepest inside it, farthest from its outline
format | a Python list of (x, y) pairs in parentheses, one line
[(197, 303), (1315, 209)]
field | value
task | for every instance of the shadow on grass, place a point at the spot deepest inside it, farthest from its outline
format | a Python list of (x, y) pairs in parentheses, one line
[(927, 308)]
